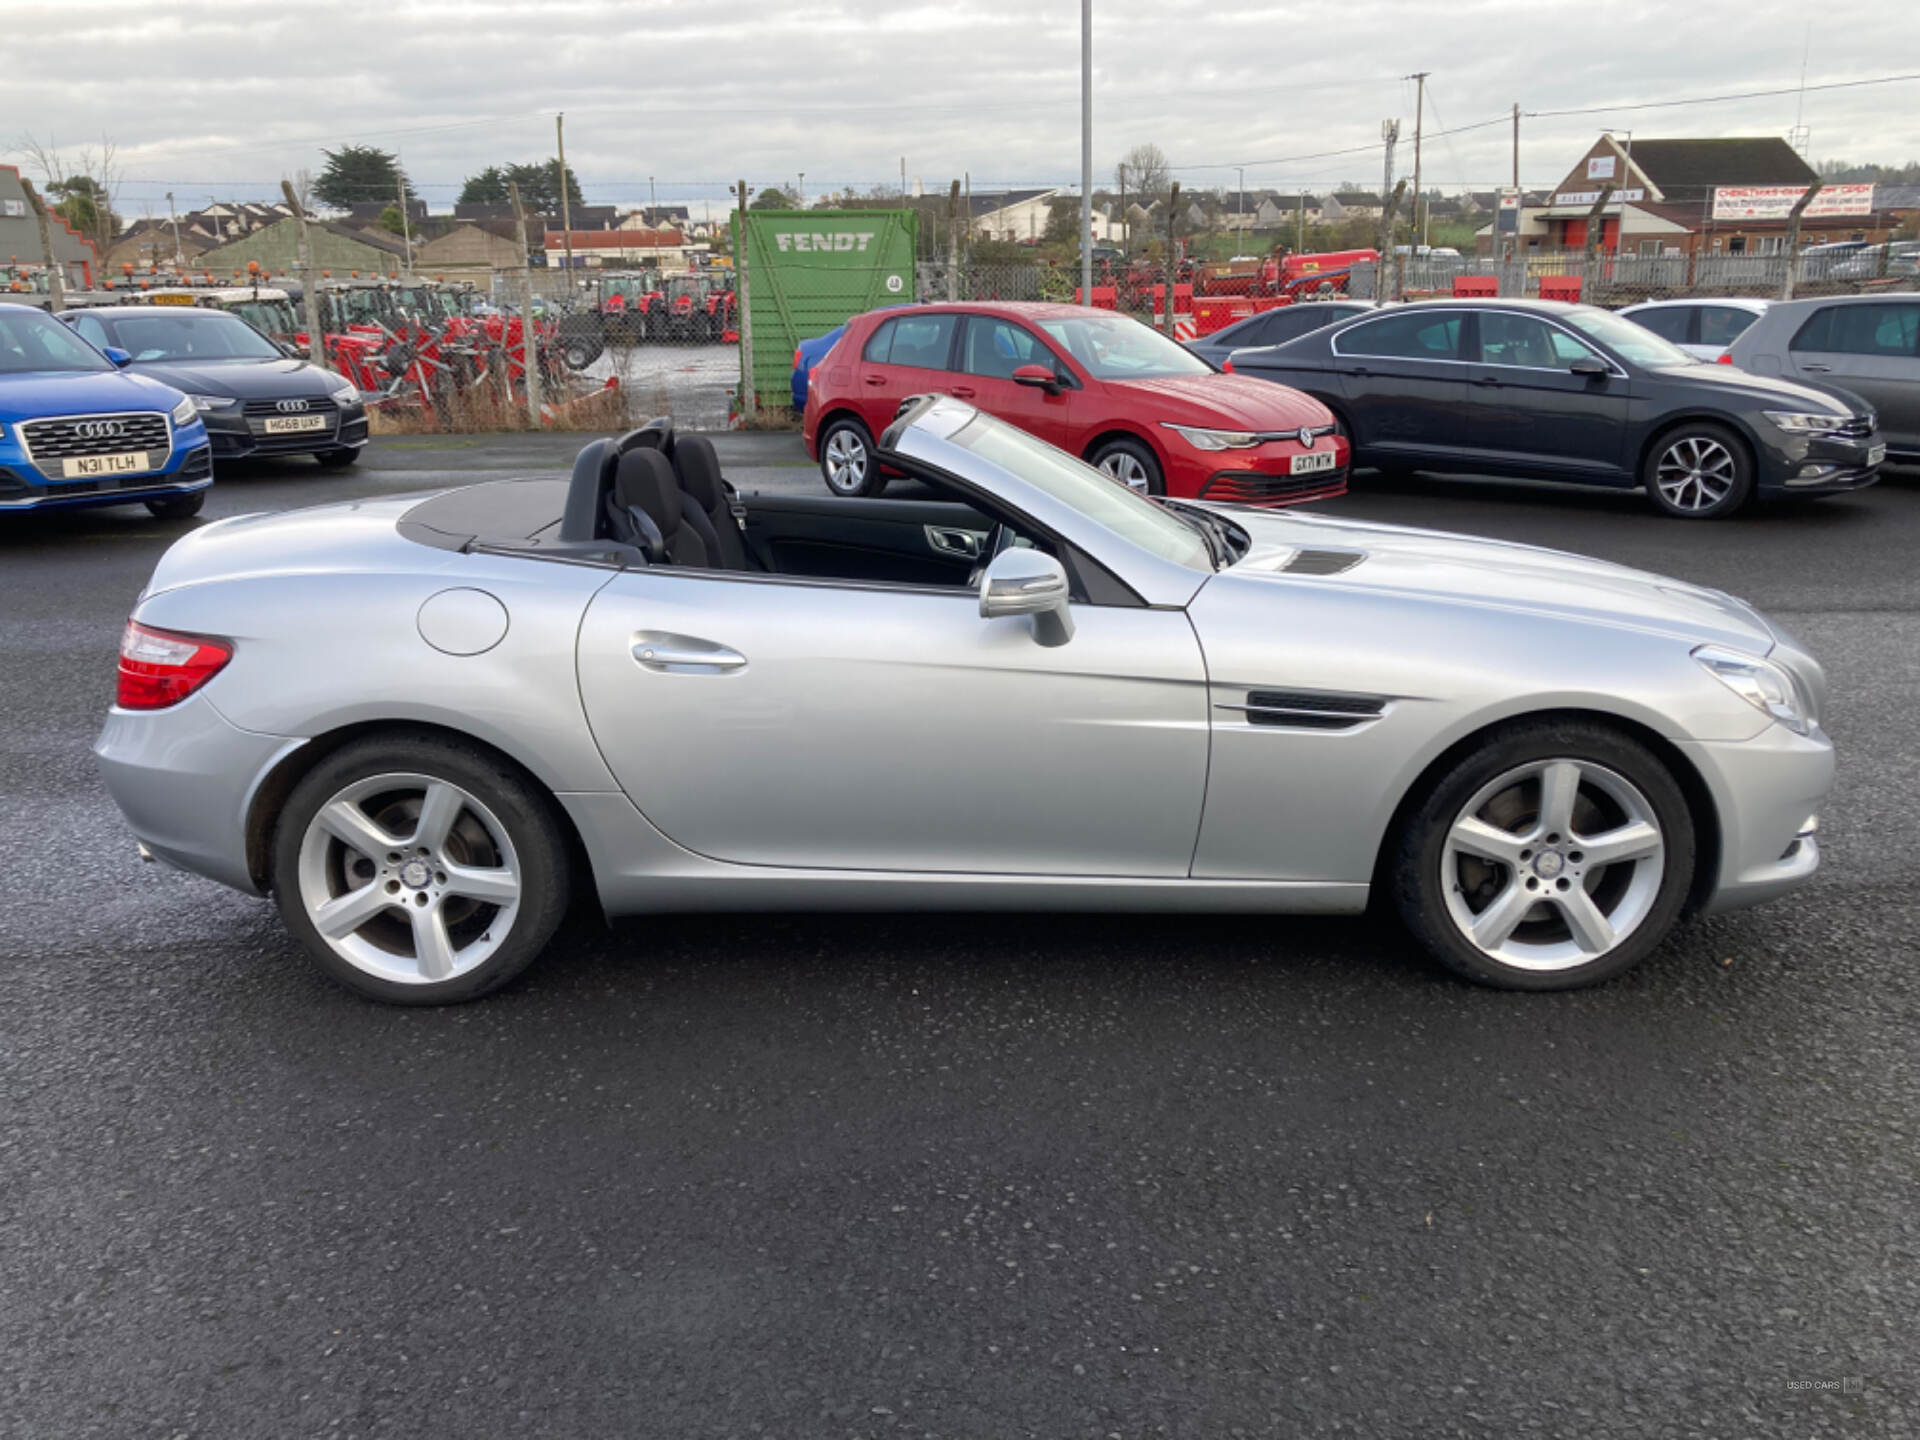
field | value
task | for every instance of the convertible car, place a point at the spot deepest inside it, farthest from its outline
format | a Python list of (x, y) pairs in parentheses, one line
[(1041, 690)]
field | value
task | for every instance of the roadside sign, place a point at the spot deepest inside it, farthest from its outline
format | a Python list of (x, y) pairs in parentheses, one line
[(1775, 202), (1507, 221), (810, 270)]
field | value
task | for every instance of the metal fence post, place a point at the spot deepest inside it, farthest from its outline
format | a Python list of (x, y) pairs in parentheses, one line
[(1173, 258), (309, 282), (56, 277), (953, 242), (529, 347), (1793, 235), (749, 396)]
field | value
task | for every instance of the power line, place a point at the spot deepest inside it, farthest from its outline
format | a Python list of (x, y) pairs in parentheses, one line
[(1718, 99)]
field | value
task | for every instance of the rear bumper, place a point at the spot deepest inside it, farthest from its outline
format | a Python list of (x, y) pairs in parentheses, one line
[(185, 778)]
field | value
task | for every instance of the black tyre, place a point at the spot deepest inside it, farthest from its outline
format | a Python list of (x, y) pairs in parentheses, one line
[(579, 353), (1699, 471), (1132, 463), (337, 459), (1553, 855), (177, 507), (419, 871), (847, 461)]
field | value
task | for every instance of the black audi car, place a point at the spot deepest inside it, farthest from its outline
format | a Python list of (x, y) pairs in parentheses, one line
[(1277, 326), (255, 397), (1552, 391)]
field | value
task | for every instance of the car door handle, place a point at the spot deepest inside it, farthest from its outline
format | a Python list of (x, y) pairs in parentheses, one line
[(949, 540), (1491, 381), (1359, 370), (684, 654), (876, 379), (962, 392), (1817, 369)]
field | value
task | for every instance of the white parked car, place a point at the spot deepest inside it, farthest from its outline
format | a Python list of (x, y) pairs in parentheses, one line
[(1702, 328)]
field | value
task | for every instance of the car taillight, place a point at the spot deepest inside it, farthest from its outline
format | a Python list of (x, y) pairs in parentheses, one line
[(796, 359), (1723, 358), (1226, 366), (159, 668)]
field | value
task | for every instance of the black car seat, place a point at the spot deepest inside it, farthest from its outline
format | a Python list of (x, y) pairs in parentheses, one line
[(647, 509), (698, 467)]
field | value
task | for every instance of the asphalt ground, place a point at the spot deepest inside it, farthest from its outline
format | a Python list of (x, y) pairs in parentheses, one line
[(960, 1176)]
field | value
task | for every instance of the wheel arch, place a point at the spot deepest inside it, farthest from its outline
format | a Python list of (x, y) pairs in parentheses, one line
[(1701, 808), (1660, 429), (1122, 430), (270, 795)]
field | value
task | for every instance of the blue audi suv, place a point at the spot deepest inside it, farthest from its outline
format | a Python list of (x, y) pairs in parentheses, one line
[(75, 429)]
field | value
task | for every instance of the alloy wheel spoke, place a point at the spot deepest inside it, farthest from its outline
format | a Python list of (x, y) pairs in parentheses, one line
[(439, 808), (432, 946), (1634, 841), (346, 913), (496, 885), (1489, 842), (349, 824), (1592, 931), (1559, 787), (1493, 925)]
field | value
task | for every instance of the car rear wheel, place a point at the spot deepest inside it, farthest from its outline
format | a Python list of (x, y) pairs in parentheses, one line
[(337, 459), (177, 507), (1553, 856), (417, 871), (1132, 464), (579, 354), (1699, 472), (847, 462)]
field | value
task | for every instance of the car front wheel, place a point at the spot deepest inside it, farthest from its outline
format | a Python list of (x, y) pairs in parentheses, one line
[(418, 871), (1699, 472), (337, 459), (177, 507), (846, 459), (1554, 855), (1132, 464)]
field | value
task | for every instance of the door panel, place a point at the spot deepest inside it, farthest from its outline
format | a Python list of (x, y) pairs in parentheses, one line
[(907, 355), (907, 542), (876, 728), (990, 350), (1874, 351), (1405, 383), (1526, 413)]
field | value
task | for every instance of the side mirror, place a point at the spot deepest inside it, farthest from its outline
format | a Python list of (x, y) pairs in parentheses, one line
[(292, 351), (122, 358), (1041, 377), (1021, 581), (1588, 365)]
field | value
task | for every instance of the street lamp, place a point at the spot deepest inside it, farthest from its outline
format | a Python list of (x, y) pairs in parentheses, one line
[(1086, 152)]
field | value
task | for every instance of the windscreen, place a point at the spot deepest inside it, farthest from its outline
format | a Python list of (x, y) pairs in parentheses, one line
[(1114, 347), (1627, 340), (32, 343), (196, 335)]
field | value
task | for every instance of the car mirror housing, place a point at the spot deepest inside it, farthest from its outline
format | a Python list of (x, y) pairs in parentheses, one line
[(1038, 376), (121, 358), (1021, 581), (1588, 365)]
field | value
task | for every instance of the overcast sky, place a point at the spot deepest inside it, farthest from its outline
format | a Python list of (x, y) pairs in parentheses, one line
[(223, 98)]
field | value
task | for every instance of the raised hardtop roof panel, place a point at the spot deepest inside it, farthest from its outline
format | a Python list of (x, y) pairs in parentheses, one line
[(495, 512)]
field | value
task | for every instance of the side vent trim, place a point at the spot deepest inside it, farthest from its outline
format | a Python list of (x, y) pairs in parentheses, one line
[(1309, 709), (1321, 562)]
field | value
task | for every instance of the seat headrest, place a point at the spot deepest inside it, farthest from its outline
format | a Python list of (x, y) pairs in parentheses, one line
[(646, 480), (699, 469)]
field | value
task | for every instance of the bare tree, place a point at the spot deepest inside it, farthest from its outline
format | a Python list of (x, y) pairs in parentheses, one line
[(1144, 173), (85, 184)]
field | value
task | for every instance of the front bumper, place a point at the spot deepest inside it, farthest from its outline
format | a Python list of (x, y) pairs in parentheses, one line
[(1262, 475), (1766, 791), (23, 486), (235, 436), (185, 778), (1825, 466)]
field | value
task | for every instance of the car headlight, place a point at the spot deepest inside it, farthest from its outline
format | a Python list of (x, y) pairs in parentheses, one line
[(1796, 422), (204, 403), (1213, 439), (347, 395), (186, 411), (1769, 688)]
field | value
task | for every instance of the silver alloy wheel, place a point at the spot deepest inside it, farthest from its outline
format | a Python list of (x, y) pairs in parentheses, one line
[(1696, 472), (846, 456), (409, 878), (1125, 467), (1553, 864)]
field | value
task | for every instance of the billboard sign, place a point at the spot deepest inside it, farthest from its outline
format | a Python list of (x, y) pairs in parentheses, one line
[(1775, 202), (1600, 167), (1507, 222)]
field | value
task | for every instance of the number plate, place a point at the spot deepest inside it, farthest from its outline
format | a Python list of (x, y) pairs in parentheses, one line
[(93, 467), (294, 424), (1313, 460), (170, 299), (1876, 454)]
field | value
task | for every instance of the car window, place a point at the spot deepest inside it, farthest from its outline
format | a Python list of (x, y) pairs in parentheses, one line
[(1290, 323), (1118, 347), (1669, 322), (31, 341), (996, 348), (1420, 335), (1625, 338), (919, 340), (1863, 330), (1524, 341), (1722, 324), (191, 335), (92, 331)]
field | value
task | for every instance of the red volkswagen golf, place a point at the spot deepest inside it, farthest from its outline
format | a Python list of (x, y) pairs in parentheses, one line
[(1099, 385)]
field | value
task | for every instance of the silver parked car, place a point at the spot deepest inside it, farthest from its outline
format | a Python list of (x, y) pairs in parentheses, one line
[(1866, 345), (417, 723), (1702, 328)]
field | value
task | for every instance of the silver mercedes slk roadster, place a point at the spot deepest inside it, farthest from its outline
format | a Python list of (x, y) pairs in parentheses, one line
[(423, 724)]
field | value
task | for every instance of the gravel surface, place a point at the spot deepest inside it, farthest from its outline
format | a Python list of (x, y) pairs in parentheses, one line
[(960, 1176)]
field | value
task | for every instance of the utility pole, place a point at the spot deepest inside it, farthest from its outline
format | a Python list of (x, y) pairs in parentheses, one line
[(1419, 120), (1240, 199), (566, 210), (1086, 152), (309, 279), (1389, 197), (406, 223), (178, 258), (1516, 144), (529, 345), (1302, 245), (56, 277), (1793, 234), (903, 180), (953, 242), (800, 203), (1173, 254), (749, 396), (653, 203), (1126, 225)]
